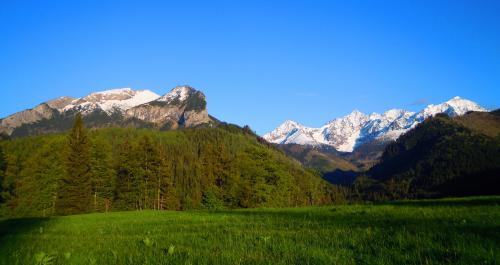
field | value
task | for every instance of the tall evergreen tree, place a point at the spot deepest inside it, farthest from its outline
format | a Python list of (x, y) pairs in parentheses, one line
[(126, 197), (36, 193), (149, 162), (75, 189), (165, 192), (103, 174), (3, 167)]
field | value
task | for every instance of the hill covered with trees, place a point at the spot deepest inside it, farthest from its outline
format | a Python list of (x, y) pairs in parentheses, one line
[(116, 169), (442, 156), (325, 159)]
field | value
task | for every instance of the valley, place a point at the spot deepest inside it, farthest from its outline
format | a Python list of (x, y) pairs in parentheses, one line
[(249, 132)]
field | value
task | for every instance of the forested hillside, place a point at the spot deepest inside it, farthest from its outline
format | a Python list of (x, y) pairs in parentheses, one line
[(116, 169), (324, 159), (443, 156)]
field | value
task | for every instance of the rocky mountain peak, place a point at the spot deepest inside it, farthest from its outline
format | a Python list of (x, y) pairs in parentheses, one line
[(356, 128), (290, 124), (179, 93), (393, 114), (60, 102), (183, 106)]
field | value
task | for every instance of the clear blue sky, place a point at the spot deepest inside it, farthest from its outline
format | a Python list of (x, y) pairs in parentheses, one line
[(258, 62)]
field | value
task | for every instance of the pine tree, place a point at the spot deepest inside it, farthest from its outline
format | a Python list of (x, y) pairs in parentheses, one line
[(165, 191), (37, 192), (75, 190), (149, 163), (3, 168), (103, 175), (126, 190)]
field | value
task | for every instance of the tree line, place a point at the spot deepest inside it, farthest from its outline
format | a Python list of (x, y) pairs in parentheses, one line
[(116, 169)]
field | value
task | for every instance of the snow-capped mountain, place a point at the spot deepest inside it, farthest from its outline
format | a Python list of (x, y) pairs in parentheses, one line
[(182, 106), (348, 132), (111, 100), (179, 93)]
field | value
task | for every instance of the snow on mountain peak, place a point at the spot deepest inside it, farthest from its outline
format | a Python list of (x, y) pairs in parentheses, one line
[(355, 117), (286, 130), (112, 94), (461, 106), (393, 114), (111, 100), (290, 123), (114, 91), (286, 126), (180, 93), (356, 114), (454, 107), (348, 132)]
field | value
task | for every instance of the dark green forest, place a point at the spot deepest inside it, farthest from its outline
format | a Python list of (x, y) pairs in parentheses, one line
[(115, 169), (441, 157)]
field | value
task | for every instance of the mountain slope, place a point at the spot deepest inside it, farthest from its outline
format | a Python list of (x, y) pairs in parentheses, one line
[(348, 133), (326, 160), (183, 106), (315, 157), (444, 156)]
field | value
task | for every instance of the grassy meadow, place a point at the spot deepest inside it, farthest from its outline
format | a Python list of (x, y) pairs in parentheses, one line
[(448, 231)]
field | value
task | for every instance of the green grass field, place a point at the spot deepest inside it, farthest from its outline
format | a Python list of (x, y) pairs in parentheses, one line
[(450, 231)]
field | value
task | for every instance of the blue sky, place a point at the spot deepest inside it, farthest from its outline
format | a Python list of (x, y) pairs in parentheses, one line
[(258, 62)]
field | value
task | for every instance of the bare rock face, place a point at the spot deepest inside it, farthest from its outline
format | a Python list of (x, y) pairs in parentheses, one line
[(184, 106), (155, 112), (195, 118), (42, 111), (60, 103)]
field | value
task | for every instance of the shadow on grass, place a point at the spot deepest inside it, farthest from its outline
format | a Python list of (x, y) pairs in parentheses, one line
[(19, 226)]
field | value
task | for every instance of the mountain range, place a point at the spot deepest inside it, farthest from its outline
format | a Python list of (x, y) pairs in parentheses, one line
[(447, 149), (348, 133), (442, 156), (183, 106)]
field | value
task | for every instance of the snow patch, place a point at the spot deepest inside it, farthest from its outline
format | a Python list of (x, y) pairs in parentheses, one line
[(119, 99), (180, 93)]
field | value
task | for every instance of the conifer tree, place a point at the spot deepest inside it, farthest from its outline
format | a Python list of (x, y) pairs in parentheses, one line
[(125, 192), (75, 190), (103, 175), (3, 167), (149, 163)]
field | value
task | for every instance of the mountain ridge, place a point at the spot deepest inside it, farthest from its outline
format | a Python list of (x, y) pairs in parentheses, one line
[(183, 106), (355, 129)]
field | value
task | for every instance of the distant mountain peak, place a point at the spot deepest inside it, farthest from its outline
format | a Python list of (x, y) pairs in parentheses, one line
[(356, 112), (288, 123), (348, 132)]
